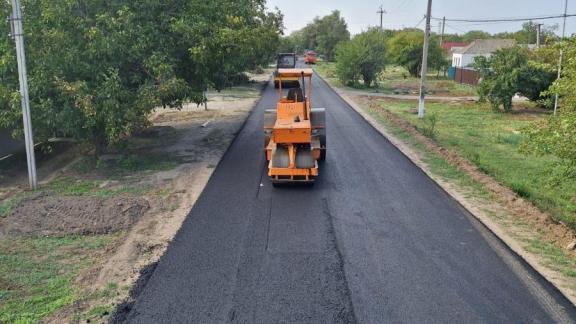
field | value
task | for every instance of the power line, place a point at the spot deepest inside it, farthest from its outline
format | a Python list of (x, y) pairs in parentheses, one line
[(421, 20), (507, 19), (402, 4), (456, 29)]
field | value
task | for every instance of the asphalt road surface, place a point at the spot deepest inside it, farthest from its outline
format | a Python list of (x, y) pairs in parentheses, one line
[(374, 241)]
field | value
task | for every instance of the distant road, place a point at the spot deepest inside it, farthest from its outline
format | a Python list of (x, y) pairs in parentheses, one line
[(374, 241), (8, 145)]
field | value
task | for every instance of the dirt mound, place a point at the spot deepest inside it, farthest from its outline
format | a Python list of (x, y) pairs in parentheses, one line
[(44, 215)]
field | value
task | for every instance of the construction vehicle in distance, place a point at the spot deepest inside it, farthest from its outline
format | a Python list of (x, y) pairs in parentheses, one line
[(286, 61), (310, 57), (295, 133)]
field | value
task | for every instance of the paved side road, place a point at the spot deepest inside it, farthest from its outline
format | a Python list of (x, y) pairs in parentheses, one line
[(373, 241)]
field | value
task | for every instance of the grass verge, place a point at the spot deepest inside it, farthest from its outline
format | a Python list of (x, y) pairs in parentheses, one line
[(37, 275), (396, 80), (490, 141), (551, 255)]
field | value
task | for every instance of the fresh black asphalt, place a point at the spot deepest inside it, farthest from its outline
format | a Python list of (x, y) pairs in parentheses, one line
[(374, 241)]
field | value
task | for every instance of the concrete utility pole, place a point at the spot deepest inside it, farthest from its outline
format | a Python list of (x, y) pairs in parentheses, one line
[(442, 32), (18, 35), (381, 12), (421, 107), (538, 31), (561, 55)]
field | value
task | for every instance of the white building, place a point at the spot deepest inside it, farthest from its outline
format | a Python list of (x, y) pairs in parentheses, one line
[(464, 56)]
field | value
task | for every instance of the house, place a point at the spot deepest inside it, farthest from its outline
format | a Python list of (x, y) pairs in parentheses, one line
[(463, 57), (448, 47)]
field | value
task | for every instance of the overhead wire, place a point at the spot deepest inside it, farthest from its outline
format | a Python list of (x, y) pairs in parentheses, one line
[(421, 20), (506, 19)]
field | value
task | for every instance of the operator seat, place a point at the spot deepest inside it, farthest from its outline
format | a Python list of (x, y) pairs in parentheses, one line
[(295, 95)]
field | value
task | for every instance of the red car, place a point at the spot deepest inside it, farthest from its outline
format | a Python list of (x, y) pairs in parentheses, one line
[(310, 57)]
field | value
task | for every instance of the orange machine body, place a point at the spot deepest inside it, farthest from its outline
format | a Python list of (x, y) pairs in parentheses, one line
[(292, 146), (310, 57)]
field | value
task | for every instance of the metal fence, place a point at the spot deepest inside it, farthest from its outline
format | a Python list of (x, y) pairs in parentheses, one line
[(464, 75)]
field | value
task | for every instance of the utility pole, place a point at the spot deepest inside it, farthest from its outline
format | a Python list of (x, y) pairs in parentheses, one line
[(18, 36), (381, 12), (442, 33), (421, 107), (561, 55), (538, 31)]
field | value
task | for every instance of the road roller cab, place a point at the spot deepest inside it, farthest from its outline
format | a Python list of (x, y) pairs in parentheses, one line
[(295, 133), (286, 61)]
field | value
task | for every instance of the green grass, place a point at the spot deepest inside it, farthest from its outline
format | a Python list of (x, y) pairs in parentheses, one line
[(6, 207), (37, 275), (438, 165), (490, 140), (69, 186), (396, 80), (128, 165), (552, 255)]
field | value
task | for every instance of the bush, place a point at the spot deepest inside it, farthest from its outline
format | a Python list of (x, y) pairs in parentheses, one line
[(533, 81), (509, 71), (428, 127), (557, 135), (500, 76), (405, 49), (362, 57)]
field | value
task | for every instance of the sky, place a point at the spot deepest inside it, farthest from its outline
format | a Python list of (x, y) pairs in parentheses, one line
[(361, 14)]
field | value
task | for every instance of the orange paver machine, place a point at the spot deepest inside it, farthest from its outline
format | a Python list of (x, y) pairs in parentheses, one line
[(295, 133)]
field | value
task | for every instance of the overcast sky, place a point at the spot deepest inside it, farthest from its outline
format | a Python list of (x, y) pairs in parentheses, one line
[(360, 14)]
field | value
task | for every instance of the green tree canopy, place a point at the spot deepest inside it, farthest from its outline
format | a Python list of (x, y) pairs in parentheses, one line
[(362, 57), (405, 49), (98, 68), (557, 134), (527, 35), (500, 75), (323, 34), (509, 71)]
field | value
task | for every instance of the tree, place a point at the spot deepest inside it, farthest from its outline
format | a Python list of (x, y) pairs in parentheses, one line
[(557, 134), (286, 45), (363, 56), (509, 71), (324, 34), (527, 35), (473, 35), (500, 76), (98, 68), (534, 81), (406, 47)]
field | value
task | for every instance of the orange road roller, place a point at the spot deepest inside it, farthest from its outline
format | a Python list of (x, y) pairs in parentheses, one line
[(295, 133)]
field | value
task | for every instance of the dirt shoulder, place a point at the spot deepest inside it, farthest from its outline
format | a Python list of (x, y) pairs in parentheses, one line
[(132, 201), (547, 245)]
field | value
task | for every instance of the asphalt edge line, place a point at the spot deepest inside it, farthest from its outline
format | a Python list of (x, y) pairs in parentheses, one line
[(479, 215), (122, 312)]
